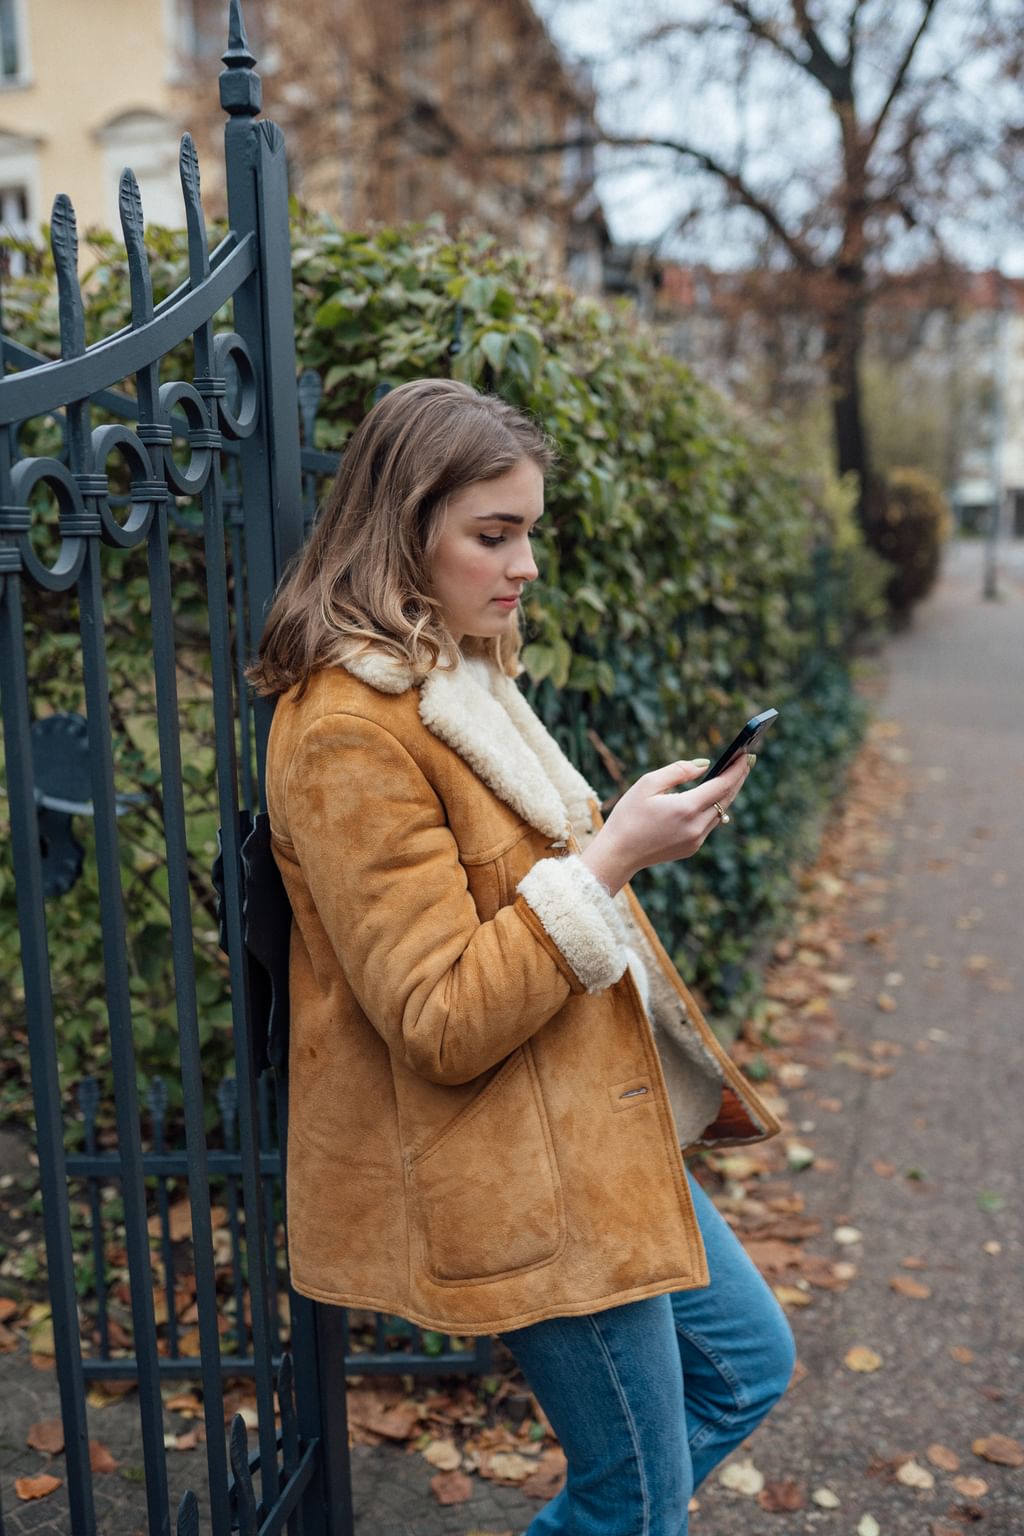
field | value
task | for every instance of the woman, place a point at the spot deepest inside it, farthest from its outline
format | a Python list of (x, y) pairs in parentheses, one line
[(494, 1065)]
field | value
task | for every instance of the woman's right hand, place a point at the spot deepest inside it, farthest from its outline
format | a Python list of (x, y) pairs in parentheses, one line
[(650, 826)]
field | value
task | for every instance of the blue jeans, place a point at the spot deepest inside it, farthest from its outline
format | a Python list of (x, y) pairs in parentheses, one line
[(648, 1397)]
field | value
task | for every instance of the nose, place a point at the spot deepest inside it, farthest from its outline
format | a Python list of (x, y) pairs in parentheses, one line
[(522, 566)]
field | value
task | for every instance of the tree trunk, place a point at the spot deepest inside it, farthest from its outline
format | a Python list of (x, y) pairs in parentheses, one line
[(844, 330)]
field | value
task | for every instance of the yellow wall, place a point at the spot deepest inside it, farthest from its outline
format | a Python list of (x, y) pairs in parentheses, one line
[(89, 62)]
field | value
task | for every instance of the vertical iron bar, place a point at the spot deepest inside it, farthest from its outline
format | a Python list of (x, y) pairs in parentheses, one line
[(88, 1101), (270, 1219), (227, 1101), (46, 1097), (64, 239), (158, 1110)]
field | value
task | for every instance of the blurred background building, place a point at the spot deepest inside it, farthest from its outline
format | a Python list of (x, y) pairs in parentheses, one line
[(943, 369), (393, 111)]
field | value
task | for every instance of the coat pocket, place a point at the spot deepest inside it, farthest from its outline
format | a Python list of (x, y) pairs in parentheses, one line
[(486, 1190)]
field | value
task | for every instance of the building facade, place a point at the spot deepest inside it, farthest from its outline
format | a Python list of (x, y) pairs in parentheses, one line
[(392, 112)]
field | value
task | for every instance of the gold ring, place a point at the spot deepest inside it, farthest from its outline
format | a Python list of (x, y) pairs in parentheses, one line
[(723, 815)]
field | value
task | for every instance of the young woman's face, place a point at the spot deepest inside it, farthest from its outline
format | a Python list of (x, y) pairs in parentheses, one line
[(483, 558)]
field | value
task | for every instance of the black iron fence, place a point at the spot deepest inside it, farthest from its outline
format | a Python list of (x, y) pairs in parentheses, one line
[(374, 1344), (181, 1225)]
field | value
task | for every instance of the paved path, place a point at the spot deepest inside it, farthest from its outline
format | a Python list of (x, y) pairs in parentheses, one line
[(950, 1111)]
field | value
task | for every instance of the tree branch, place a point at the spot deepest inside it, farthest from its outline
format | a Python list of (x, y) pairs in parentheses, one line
[(744, 194), (900, 75)]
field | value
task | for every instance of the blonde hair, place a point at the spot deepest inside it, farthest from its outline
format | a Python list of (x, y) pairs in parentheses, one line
[(361, 579)]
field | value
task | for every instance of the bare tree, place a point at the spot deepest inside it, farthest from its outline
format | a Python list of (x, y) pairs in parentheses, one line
[(833, 143)]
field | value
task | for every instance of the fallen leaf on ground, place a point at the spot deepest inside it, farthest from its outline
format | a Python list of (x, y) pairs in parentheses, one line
[(781, 1498), (548, 1476), (186, 1403), (507, 1467), (36, 1487), (848, 1235), (443, 1455), (451, 1487), (912, 1475), (742, 1477), (791, 1296), (8, 1339), (825, 1498), (47, 1435), (862, 1358), (100, 1458), (907, 1286), (971, 1487), (883, 1169), (941, 1456), (992, 1246), (912, 1263), (799, 1156), (940, 1528), (8, 1308), (961, 1354), (886, 1003), (1000, 1449), (188, 1439), (868, 1526)]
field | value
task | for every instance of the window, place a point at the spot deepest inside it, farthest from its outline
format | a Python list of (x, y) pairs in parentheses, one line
[(148, 142), (14, 224), (12, 63)]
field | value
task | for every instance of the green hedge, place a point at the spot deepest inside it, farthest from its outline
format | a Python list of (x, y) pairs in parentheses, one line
[(690, 575)]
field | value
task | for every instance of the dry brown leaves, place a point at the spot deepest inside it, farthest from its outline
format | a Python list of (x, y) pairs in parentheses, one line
[(782, 1497), (451, 1487), (36, 1487), (1000, 1449), (47, 1435), (905, 1285)]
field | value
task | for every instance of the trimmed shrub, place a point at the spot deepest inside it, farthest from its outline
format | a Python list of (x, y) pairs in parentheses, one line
[(908, 522), (689, 578)]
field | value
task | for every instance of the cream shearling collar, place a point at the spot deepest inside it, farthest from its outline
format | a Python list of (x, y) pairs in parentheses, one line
[(478, 711)]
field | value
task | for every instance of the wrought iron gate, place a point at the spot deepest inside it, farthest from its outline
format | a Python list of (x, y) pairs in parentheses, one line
[(243, 396)]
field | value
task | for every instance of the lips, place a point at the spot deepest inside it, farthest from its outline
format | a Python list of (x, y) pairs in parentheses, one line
[(506, 602)]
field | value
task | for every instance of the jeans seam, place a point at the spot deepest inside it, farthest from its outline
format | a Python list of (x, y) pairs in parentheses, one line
[(732, 1381), (630, 1421)]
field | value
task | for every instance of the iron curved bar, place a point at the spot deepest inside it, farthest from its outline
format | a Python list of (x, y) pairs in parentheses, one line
[(188, 480), (41, 390), (116, 438), (66, 569)]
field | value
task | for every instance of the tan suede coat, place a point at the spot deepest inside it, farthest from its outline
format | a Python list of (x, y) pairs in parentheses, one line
[(493, 1065)]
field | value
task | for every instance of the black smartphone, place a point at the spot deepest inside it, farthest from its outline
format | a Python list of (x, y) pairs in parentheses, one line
[(746, 741)]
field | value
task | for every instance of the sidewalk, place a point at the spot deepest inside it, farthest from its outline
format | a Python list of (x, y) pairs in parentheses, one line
[(920, 1154)]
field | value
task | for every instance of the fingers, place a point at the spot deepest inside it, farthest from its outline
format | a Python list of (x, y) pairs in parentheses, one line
[(661, 779), (724, 788)]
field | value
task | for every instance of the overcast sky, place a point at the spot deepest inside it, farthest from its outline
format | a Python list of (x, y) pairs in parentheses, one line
[(644, 202)]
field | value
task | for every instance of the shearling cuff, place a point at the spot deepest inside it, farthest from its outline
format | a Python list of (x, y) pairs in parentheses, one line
[(579, 915)]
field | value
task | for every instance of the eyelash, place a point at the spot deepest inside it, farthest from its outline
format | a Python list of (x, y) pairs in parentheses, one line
[(492, 540)]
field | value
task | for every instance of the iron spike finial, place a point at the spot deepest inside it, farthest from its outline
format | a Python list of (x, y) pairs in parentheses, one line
[(241, 89), (64, 244), (129, 201), (239, 53), (188, 164), (133, 227)]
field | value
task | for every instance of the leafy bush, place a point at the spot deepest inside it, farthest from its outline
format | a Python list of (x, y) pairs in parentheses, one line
[(908, 523), (689, 577)]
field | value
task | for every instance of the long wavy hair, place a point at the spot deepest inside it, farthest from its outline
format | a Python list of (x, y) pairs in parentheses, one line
[(361, 580)]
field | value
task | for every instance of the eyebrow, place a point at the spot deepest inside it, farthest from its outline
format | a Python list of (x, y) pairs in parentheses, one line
[(501, 517)]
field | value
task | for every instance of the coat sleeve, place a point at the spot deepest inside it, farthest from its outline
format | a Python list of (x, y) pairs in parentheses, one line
[(449, 994)]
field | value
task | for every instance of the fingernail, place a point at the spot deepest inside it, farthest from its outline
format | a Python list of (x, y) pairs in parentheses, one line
[(700, 762), (751, 758)]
